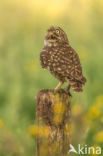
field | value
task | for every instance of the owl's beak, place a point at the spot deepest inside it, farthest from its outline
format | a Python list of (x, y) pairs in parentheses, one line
[(50, 37)]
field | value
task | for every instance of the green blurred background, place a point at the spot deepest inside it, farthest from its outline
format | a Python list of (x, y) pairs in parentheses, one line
[(23, 25)]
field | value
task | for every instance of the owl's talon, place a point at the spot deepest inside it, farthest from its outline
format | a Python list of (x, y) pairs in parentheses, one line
[(67, 90)]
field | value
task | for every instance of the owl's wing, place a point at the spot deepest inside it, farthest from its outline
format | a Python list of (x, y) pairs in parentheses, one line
[(72, 66), (44, 58)]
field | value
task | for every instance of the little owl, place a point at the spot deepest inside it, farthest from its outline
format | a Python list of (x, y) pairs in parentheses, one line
[(62, 60)]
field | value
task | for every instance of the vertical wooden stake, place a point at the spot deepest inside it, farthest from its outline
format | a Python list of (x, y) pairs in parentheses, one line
[(53, 120)]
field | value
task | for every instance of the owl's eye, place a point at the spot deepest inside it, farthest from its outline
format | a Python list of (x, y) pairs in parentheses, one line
[(57, 31)]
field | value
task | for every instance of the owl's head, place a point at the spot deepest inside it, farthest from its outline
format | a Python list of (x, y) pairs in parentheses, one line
[(55, 35)]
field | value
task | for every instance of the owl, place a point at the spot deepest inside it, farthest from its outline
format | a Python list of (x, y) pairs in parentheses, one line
[(62, 60)]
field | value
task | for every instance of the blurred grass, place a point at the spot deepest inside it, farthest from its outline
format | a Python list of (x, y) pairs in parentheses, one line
[(22, 28)]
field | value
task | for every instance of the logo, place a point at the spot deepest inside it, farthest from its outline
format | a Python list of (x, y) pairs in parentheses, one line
[(85, 149)]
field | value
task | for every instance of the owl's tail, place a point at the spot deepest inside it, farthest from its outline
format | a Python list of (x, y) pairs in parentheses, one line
[(77, 85)]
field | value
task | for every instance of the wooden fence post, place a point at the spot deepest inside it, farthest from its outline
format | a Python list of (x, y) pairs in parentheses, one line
[(53, 120)]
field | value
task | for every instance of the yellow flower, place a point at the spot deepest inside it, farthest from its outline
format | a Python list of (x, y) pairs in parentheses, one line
[(57, 119), (99, 137), (59, 108), (96, 109), (44, 131), (94, 112), (99, 101), (35, 130), (1, 122)]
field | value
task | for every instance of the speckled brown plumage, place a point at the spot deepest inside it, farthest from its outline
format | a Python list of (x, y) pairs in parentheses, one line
[(61, 59)]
